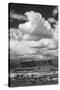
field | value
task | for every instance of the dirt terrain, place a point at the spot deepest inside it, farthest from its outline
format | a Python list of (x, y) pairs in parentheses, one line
[(33, 73)]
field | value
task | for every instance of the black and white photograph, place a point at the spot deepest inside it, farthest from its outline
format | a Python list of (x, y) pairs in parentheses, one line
[(33, 44)]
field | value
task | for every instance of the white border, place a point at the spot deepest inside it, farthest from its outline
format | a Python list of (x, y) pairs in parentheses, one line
[(4, 43)]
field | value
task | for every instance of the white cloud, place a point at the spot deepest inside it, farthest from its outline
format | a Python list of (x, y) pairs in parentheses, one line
[(56, 35), (21, 47), (55, 11), (36, 37), (43, 43), (36, 25), (51, 52), (32, 47), (18, 16), (15, 34), (51, 20), (26, 37)]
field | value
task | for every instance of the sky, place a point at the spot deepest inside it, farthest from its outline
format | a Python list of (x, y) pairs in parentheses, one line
[(31, 32), (45, 10)]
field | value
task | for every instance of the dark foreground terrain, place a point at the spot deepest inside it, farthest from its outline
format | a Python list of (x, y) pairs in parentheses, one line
[(44, 73)]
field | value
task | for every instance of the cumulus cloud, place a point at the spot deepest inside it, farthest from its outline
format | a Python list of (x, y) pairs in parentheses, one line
[(35, 37), (15, 34), (32, 47), (43, 43), (51, 20), (21, 47), (36, 25)]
